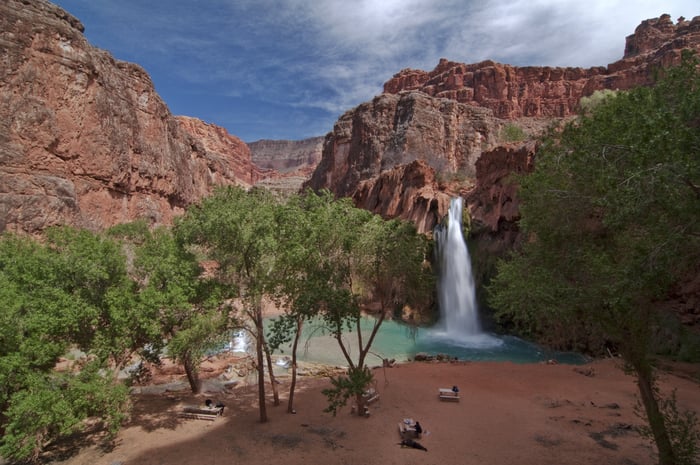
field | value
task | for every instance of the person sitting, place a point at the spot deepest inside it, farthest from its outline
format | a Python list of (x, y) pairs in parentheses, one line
[(219, 405), (455, 389), (418, 428)]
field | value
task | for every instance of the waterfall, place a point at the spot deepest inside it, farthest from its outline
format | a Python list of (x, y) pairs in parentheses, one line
[(459, 315)]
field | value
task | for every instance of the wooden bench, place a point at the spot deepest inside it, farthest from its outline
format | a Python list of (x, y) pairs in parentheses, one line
[(448, 395), (370, 395)]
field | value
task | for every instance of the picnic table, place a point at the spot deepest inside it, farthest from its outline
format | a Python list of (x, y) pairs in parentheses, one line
[(407, 428), (448, 394), (201, 413)]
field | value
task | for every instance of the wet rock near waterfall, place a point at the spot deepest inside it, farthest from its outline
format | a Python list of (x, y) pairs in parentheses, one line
[(424, 357)]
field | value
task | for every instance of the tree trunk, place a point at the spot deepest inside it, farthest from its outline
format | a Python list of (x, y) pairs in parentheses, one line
[(192, 374), (292, 386), (260, 362), (654, 416), (273, 380), (360, 401)]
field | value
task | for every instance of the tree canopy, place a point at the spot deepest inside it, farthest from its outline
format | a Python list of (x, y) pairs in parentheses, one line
[(612, 213)]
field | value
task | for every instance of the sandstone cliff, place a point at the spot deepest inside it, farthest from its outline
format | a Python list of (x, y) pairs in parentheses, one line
[(409, 192), (287, 163), (286, 156), (542, 91), (453, 118), (84, 138), (395, 130)]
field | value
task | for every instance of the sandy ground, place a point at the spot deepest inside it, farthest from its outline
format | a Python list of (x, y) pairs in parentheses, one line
[(508, 414)]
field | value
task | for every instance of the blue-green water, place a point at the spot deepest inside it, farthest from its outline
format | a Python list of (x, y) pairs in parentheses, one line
[(397, 341)]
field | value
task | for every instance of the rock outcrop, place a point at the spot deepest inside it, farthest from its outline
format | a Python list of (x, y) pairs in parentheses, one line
[(228, 157), (493, 200), (287, 163), (395, 130), (287, 156), (84, 138), (409, 192), (453, 118), (542, 91)]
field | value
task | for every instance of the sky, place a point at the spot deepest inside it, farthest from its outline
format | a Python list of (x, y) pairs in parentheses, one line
[(287, 69)]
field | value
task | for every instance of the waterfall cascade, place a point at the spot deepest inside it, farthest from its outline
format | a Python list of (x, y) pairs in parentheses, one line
[(459, 316)]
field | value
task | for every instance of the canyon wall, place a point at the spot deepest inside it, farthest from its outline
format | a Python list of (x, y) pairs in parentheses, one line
[(395, 130), (455, 118), (553, 92), (84, 138), (287, 156), (287, 164)]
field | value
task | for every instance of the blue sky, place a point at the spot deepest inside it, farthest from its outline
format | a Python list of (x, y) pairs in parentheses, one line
[(287, 69)]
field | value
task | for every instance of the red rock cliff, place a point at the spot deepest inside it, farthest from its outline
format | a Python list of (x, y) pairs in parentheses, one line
[(452, 119), (84, 138), (394, 130), (542, 91)]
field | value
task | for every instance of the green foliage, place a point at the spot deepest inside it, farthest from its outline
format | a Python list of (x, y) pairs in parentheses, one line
[(683, 429), (590, 103), (512, 133), (235, 228), (345, 387), (57, 405), (70, 291), (612, 211), (188, 309)]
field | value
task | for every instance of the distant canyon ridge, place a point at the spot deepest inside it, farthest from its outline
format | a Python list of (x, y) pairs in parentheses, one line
[(86, 141)]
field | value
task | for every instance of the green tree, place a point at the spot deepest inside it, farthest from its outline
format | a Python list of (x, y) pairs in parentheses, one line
[(612, 212), (70, 291), (235, 229), (312, 265), (588, 104), (385, 263), (106, 319), (190, 310)]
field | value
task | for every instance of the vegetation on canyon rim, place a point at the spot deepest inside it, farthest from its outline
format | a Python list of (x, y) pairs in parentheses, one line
[(612, 212)]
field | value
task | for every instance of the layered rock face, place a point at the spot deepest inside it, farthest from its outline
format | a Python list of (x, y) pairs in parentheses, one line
[(513, 92), (452, 118), (84, 138), (396, 130), (287, 156), (228, 157), (409, 192), (493, 200), (287, 163)]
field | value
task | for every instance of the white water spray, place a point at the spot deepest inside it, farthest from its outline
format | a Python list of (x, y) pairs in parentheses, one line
[(459, 316)]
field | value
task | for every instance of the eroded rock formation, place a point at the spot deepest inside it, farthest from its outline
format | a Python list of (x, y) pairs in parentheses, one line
[(287, 163), (409, 192), (84, 138), (395, 130), (287, 156), (493, 201), (453, 119), (543, 91)]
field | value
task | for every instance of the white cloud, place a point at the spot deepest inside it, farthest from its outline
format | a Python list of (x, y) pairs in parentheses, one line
[(334, 54)]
